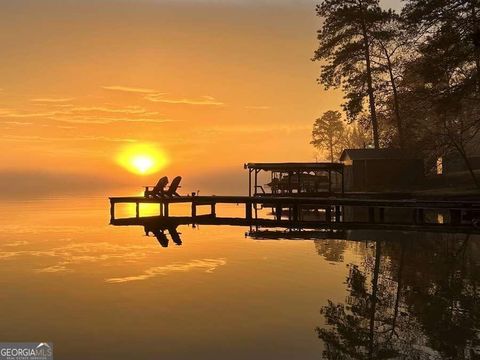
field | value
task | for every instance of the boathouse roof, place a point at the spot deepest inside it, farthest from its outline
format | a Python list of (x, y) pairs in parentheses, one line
[(295, 166), (372, 154)]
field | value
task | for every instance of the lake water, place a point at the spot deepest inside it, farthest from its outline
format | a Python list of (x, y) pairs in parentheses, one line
[(103, 292)]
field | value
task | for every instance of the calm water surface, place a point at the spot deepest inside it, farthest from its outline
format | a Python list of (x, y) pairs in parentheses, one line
[(103, 292)]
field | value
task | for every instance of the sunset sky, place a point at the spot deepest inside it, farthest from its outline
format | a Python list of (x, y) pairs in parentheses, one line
[(208, 84)]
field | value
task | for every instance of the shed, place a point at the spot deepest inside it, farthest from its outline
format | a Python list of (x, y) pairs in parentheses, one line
[(381, 169)]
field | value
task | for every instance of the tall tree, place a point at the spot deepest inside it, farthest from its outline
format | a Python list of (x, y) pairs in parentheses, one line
[(390, 53), (329, 133), (447, 72), (345, 49), (461, 17)]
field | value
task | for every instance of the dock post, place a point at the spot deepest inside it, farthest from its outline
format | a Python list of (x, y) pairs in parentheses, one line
[(328, 214), (295, 212), (278, 212), (137, 209), (337, 213), (421, 216), (112, 210), (194, 210), (166, 209), (382, 214), (213, 212), (371, 214), (161, 209), (248, 210), (455, 216)]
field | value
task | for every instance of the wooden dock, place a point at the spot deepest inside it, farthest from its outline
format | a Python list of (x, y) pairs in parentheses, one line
[(458, 210)]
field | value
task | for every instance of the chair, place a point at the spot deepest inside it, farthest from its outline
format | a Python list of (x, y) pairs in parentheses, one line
[(158, 189), (161, 237), (175, 235), (172, 190)]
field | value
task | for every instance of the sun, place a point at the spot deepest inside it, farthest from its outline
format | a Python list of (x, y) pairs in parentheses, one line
[(143, 163), (142, 159)]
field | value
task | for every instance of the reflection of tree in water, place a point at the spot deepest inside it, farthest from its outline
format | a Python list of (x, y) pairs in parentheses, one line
[(333, 250), (416, 299)]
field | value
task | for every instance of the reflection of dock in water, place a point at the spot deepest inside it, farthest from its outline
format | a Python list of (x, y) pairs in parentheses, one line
[(165, 228)]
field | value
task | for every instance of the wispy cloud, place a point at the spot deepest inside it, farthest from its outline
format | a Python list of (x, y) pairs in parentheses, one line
[(52, 100), (162, 97), (30, 139), (19, 123), (257, 107), (120, 110), (208, 265), (129, 89), (87, 115), (204, 100)]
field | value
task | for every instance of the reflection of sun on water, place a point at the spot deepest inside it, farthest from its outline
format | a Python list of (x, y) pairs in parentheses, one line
[(142, 159)]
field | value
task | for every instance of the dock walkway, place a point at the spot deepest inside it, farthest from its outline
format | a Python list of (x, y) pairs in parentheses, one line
[(333, 206)]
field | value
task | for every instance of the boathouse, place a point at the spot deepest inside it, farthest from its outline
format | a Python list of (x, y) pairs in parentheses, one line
[(303, 179), (381, 170)]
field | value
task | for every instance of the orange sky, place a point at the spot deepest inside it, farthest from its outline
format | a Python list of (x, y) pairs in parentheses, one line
[(213, 84)]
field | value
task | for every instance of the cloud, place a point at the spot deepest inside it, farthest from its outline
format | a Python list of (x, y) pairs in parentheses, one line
[(129, 89), (88, 115), (18, 123), (204, 100), (208, 265), (52, 100), (156, 96), (257, 107), (126, 110), (26, 138)]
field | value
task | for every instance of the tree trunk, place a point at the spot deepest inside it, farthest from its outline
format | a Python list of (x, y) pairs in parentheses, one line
[(331, 150), (395, 100), (476, 32), (373, 308), (371, 96)]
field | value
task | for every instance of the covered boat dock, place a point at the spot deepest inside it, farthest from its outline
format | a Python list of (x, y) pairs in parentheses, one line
[(299, 178)]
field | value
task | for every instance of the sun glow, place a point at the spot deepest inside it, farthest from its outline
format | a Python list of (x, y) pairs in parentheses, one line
[(142, 159)]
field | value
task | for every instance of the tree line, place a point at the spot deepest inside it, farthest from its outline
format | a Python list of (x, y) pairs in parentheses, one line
[(410, 79)]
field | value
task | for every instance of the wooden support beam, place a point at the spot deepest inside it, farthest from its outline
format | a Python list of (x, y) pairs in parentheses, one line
[(248, 211), (381, 214), (167, 211), (278, 211), (213, 211), (328, 214), (137, 209), (249, 182), (337, 213), (455, 216), (421, 216), (194, 210), (371, 214), (296, 212), (112, 210)]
